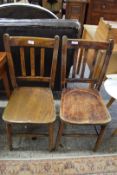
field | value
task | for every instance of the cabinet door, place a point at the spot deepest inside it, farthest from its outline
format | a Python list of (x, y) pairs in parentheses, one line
[(75, 10)]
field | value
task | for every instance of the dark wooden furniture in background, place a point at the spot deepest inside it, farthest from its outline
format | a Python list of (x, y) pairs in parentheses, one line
[(86, 11), (90, 11), (31, 105), (76, 9), (84, 106), (54, 6), (101, 8), (3, 73)]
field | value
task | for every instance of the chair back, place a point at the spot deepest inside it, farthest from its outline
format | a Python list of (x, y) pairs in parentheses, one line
[(81, 71), (37, 48)]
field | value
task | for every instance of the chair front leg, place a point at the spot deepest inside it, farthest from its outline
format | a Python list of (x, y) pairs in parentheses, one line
[(9, 135), (59, 135), (51, 136), (100, 137)]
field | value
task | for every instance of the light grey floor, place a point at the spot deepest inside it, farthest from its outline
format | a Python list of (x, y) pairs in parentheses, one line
[(26, 148)]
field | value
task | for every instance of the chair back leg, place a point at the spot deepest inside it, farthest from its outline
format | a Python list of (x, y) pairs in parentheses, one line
[(59, 135), (9, 135), (51, 136), (100, 137)]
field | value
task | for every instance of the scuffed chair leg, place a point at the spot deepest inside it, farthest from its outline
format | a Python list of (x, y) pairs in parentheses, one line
[(59, 135), (100, 137), (51, 136), (114, 132), (9, 135)]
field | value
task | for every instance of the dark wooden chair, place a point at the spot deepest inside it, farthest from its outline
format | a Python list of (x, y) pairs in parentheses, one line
[(84, 106), (31, 105)]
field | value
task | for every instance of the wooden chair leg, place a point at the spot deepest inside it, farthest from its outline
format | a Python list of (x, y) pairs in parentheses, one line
[(100, 137), (110, 102), (9, 135), (114, 132), (51, 136), (59, 135), (6, 83)]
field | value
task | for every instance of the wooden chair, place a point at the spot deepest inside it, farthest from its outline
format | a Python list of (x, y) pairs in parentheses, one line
[(84, 106), (31, 105)]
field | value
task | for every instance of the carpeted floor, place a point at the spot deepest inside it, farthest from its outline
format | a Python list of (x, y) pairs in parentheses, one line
[(99, 165)]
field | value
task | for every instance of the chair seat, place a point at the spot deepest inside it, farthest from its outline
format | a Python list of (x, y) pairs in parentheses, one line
[(83, 106), (30, 105)]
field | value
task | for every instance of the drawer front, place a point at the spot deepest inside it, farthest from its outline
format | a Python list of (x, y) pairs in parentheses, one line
[(105, 7), (104, 1), (95, 17)]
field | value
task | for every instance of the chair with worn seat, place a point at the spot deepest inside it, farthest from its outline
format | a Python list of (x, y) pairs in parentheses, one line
[(31, 104), (83, 105)]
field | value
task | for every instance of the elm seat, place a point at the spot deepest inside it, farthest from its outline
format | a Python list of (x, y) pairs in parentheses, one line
[(94, 110), (30, 106)]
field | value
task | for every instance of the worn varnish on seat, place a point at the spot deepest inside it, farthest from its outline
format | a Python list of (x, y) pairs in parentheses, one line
[(34, 105), (83, 104)]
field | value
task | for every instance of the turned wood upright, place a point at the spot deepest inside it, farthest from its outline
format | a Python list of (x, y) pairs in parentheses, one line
[(3, 73)]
